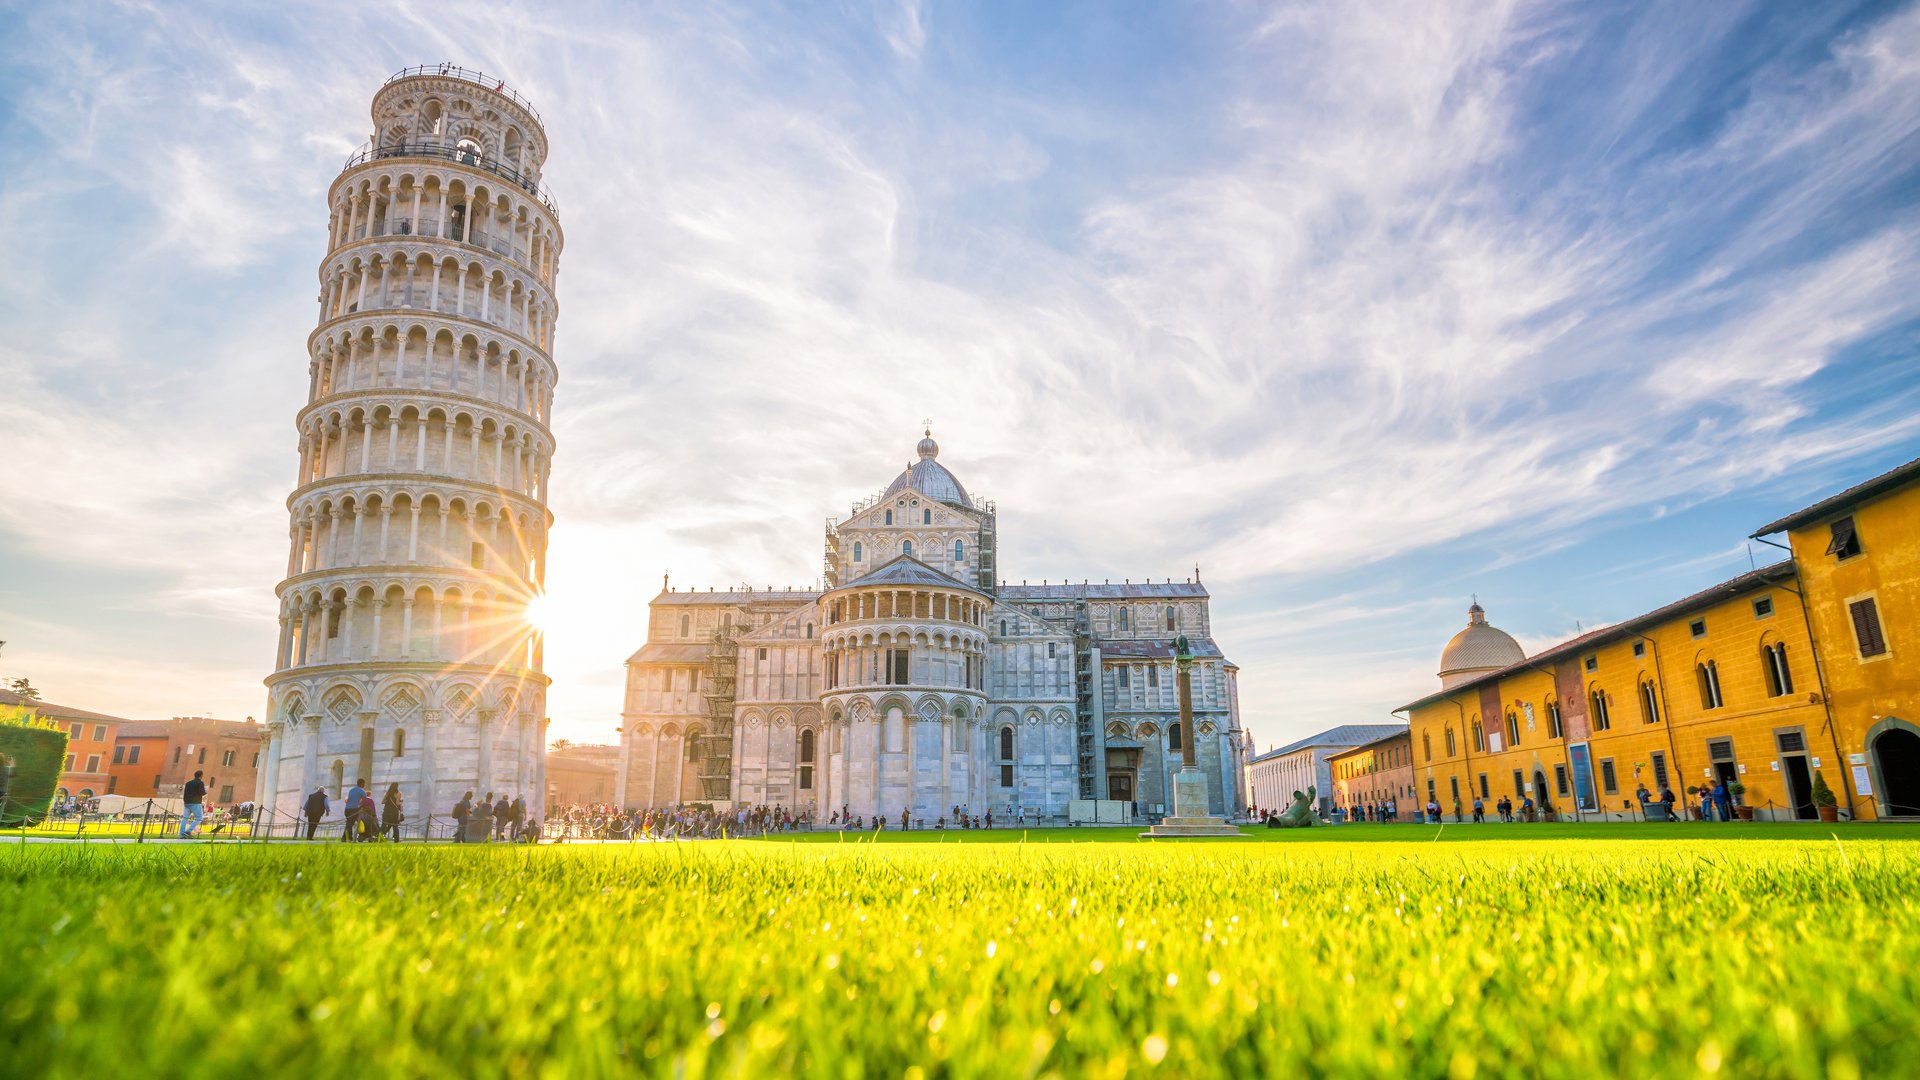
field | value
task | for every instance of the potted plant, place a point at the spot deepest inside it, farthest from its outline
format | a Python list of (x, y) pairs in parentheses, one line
[(1823, 799), (1695, 803), (1740, 808)]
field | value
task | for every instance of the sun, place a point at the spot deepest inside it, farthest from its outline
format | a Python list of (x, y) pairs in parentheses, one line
[(540, 612)]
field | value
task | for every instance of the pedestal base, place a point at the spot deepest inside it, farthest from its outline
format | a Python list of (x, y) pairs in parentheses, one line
[(1190, 817)]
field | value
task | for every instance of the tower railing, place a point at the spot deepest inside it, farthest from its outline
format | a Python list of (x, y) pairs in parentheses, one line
[(419, 148), (479, 78)]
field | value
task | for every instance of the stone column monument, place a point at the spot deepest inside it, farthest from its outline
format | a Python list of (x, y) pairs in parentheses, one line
[(1190, 816)]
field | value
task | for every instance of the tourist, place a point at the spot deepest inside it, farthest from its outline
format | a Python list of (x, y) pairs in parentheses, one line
[(1479, 809), (1433, 812), (989, 819), (390, 813), (316, 808), (517, 815), (904, 819), (502, 810), (461, 811), (356, 795), (1722, 800), (1667, 801), (195, 798), (1526, 807)]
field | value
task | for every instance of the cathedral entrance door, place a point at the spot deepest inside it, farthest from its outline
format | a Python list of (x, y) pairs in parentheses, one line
[(1120, 786)]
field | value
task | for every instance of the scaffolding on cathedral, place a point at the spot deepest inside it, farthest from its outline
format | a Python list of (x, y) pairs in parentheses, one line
[(713, 753)]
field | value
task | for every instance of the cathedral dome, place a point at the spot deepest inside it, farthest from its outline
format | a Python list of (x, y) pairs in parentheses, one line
[(1476, 650), (930, 478)]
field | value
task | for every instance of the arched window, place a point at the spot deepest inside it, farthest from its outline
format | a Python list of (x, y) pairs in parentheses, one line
[(399, 742), (1173, 736), (1426, 744), (856, 551), (1779, 677), (1597, 698), (1170, 617), (926, 516), (1649, 702), (1513, 730), (1451, 750), (469, 151), (1709, 675), (1003, 628), (1006, 744), (809, 631), (888, 520), (806, 760), (1479, 736), (686, 626), (1123, 618), (1553, 719), (906, 547), (959, 551)]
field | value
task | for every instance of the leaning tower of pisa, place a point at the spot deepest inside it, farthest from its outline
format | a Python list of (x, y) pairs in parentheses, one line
[(419, 512)]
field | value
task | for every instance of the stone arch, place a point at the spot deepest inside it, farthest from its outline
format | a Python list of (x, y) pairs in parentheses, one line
[(1893, 763)]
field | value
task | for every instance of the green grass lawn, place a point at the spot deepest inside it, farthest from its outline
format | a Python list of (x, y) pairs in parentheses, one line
[(1512, 951), (1402, 833)]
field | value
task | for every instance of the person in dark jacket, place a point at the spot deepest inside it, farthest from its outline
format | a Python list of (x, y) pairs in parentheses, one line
[(462, 810), (316, 809), (502, 810), (195, 798), (391, 813), (517, 815)]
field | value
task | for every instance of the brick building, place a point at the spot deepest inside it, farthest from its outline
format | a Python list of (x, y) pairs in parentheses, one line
[(157, 758), (582, 775)]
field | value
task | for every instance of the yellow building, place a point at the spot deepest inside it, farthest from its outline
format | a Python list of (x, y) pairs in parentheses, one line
[(1857, 557), (1742, 682)]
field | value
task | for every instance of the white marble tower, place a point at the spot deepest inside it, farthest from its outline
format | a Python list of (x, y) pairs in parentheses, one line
[(419, 517)]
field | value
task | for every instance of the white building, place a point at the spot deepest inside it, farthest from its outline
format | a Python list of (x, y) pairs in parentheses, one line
[(1274, 776), (915, 680), (419, 518)]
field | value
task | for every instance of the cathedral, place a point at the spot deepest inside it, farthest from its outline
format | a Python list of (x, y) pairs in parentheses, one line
[(914, 679)]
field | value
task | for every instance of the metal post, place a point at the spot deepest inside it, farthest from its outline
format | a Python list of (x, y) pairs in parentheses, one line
[(144, 815)]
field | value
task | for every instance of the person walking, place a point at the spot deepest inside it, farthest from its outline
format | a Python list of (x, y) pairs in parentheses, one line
[(356, 795), (392, 813), (502, 810), (195, 798), (1667, 801), (1723, 800), (517, 815), (1479, 810), (316, 808)]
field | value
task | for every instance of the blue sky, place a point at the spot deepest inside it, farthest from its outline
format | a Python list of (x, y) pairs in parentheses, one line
[(1363, 308)]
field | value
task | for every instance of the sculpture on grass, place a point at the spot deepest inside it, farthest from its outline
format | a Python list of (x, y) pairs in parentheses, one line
[(1298, 816)]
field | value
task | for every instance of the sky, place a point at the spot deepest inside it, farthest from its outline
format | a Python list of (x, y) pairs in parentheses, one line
[(1364, 310)]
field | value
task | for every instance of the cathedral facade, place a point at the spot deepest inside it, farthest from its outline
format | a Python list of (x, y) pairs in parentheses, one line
[(915, 680)]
